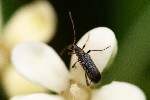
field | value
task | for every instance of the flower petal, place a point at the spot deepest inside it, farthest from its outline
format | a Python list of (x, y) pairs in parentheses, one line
[(99, 39), (41, 64), (35, 21), (4, 56), (38, 96), (119, 91), (1, 20), (14, 84)]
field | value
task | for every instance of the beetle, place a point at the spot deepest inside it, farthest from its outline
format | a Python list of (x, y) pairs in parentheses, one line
[(91, 71)]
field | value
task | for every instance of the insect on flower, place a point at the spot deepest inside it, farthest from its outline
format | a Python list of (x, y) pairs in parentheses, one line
[(91, 71)]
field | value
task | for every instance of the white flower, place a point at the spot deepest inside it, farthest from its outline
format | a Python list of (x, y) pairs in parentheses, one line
[(40, 96), (41, 64), (34, 21)]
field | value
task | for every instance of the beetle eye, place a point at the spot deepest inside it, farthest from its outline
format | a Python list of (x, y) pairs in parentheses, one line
[(70, 47)]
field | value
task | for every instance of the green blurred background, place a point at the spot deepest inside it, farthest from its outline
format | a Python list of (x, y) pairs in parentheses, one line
[(129, 19)]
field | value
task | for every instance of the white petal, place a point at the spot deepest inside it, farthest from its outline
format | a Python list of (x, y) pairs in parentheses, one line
[(14, 84), (0, 19), (38, 96), (4, 56), (119, 91), (41, 64), (35, 21), (99, 39)]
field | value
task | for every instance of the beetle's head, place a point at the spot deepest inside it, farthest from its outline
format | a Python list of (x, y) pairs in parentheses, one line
[(72, 47)]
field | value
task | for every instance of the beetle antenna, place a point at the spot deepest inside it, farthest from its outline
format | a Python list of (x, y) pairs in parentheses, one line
[(62, 51), (74, 41)]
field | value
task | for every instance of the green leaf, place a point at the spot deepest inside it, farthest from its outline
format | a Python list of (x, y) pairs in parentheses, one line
[(130, 20)]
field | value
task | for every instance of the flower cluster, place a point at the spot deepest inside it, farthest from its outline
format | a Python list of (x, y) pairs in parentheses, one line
[(41, 64), (24, 36), (34, 21)]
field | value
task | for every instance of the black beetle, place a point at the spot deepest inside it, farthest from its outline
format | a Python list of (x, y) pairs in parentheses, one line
[(91, 71)]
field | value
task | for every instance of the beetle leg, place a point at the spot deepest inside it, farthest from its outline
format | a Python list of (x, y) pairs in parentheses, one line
[(74, 64), (86, 78), (71, 53), (85, 42), (99, 50)]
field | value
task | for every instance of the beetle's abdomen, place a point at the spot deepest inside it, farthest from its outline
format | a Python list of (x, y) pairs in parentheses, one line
[(90, 69)]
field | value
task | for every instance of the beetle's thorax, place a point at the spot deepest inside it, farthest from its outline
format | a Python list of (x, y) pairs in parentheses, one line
[(78, 51)]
